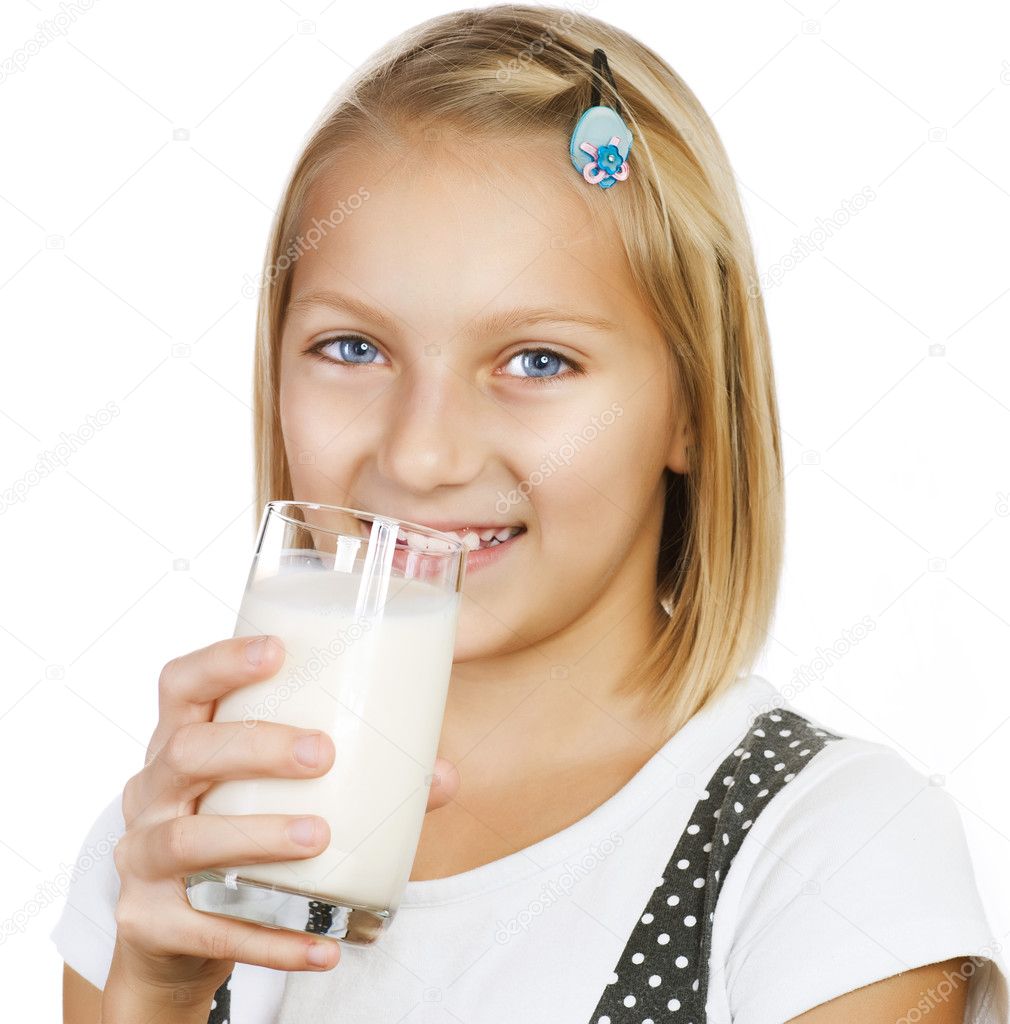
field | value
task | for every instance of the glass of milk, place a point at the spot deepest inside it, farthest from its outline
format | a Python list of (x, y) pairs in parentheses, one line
[(366, 607)]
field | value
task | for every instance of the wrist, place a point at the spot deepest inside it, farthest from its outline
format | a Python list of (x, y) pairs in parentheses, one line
[(129, 1001)]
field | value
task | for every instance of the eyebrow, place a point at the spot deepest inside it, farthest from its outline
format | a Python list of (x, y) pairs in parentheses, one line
[(490, 323)]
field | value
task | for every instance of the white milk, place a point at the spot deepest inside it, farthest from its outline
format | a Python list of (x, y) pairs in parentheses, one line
[(379, 690)]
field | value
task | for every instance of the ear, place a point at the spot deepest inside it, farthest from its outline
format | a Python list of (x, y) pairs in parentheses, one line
[(677, 458)]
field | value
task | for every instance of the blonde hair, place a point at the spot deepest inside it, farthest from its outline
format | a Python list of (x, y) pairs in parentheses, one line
[(509, 70)]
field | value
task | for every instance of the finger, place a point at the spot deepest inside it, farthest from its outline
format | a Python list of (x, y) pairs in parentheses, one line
[(193, 843), (203, 675), (183, 930), (201, 752), (189, 685), (444, 785)]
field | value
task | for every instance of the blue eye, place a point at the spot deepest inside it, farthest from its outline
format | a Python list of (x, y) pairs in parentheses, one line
[(351, 347), (543, 361)]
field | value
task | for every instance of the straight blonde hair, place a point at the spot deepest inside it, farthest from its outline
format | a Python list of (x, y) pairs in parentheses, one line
[(507, 71)]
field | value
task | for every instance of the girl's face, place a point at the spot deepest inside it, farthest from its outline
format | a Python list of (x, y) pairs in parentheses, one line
[(497, 367)]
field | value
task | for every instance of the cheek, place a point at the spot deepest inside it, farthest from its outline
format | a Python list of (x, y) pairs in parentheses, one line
[(592, 509), (325, 414), (299, 427), (316, 433), (604, 468)]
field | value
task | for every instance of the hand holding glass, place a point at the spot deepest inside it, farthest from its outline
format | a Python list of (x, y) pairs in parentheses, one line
[(366, 607)]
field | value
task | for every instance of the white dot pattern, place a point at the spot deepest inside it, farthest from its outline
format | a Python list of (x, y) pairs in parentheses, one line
[(220, 1007), (662, 975)]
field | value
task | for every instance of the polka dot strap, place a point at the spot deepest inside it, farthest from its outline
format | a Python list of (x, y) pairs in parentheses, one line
[(220, 1007), (662, 975)]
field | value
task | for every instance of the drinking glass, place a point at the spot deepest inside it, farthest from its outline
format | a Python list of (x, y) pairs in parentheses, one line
[(366, 606)]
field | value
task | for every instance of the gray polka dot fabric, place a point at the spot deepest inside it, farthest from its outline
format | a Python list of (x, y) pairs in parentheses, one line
[(220, 1007), (662, 975)]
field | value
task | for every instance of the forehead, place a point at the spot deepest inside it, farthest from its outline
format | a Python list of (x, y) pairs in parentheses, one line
[(451, 225)]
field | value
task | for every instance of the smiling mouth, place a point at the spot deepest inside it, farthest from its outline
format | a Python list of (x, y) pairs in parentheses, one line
[(474, 541)]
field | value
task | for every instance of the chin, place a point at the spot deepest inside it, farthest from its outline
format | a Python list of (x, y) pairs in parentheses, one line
[(480, 635)]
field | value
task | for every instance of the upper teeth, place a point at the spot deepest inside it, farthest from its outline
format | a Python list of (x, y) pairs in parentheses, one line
[(468, 537)]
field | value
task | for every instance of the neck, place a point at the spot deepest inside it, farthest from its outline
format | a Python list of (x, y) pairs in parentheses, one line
[(555, 703)]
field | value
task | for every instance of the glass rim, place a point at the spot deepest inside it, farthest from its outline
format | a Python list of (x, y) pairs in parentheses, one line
[(276, 504)]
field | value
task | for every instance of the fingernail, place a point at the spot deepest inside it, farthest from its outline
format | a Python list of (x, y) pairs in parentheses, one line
[(307, 749), (255, 650), (317, 955), (303, 831)]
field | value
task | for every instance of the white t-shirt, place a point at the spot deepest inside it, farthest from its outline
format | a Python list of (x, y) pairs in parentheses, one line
[(856, 870)]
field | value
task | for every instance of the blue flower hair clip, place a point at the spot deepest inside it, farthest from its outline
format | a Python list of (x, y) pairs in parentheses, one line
[(601, 141)]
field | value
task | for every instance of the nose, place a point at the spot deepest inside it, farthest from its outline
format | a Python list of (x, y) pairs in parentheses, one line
[(433, 434)]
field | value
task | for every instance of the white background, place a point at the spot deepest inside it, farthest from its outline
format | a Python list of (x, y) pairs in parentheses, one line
[(126, 250)]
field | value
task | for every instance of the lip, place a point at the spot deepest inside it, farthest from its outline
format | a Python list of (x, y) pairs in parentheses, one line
[(478, 559), (483, 557)]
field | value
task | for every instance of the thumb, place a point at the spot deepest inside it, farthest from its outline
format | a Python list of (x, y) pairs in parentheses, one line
[(444, 783)]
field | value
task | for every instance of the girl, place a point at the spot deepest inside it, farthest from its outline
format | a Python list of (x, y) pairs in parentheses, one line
[(472, 321)]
